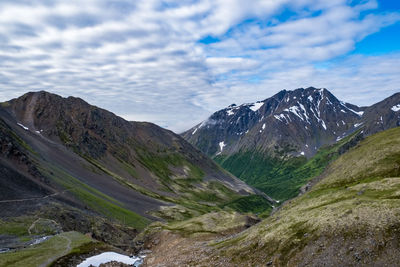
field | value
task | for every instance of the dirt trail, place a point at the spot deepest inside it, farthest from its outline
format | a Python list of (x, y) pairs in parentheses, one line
[(32, 225), (34, 198), (66, 251)]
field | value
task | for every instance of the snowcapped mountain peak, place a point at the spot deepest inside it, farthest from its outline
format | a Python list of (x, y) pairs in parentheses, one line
[(288, 120)]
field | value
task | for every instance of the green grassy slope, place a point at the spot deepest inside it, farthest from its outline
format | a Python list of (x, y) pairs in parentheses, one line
[(280, 178), (350, 217), (45, 253)]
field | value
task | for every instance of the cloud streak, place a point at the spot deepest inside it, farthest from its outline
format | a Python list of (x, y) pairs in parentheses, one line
[(145, 60)]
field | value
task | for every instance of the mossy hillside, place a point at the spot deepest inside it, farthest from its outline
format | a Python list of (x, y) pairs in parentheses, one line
[(184, 200), (51, 249), (17, 226), (358, 196), (250, 204), (211, 224), (193, 196), (281, 178)]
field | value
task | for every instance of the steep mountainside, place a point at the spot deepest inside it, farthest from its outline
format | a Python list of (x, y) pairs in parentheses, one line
[(266, 143), (87, 170), (350, 217)]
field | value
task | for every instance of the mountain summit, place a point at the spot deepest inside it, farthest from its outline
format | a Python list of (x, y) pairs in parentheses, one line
[(298, 121)]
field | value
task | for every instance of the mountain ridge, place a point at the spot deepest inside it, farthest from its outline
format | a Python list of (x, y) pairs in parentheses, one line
[(269, 143)]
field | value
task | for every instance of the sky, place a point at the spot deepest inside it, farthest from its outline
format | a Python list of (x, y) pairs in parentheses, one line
[(174, 63)]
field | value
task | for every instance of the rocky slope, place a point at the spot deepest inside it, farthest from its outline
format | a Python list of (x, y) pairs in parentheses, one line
[(264, 143), (350, 217)]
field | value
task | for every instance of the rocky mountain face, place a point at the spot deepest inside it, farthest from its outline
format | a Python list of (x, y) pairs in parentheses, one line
[(88, 169), (270, 139)]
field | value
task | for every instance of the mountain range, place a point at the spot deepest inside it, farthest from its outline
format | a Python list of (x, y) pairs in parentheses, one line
[(318, 184), (265, 143)]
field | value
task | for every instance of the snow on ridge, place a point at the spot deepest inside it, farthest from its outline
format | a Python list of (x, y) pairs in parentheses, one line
[(359, 113), (195, 130), (295, 110), (280, 117), (256, 106), (304, 112), (230, 112), (222, 145), (23, 126), (323, 124), (396, 108), (208, 122), (339, 138)]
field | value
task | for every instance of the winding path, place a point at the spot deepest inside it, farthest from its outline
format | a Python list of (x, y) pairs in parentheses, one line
[(66, 251), (32, 225), (34, 198)]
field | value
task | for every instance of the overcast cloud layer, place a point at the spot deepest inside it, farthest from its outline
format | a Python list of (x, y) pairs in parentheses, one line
[(175, 62)]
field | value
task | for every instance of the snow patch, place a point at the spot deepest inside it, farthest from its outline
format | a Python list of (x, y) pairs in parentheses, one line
[(110, 256), (281, 117), (256, 106), (323, 124), (357, 124), (230, 112), (25, 128), (295, 110), (195, 130), (340, 137), (304, 112), (222, 145), (396, 108), (302, 153), (310, 98), (263, 127), (278, 117), (359, 113)]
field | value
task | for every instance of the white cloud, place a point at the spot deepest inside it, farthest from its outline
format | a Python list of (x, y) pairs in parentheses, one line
[(143, 59)]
